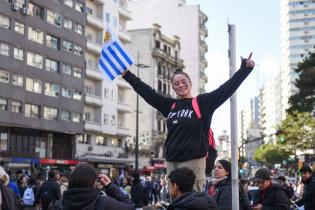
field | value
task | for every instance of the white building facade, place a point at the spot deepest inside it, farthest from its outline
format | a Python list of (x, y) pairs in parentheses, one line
[(185, 21)]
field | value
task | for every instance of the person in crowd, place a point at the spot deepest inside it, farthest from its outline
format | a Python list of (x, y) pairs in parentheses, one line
[(308, 197), (82, 195), (186, 142), (181, 191), (272, 196), (57, 176), (63, 183), (48, 192), (126, 186), (12, 185), (223, 187), (138, 192), (22, 184), (156, 187), (164, 193), (282, 181)]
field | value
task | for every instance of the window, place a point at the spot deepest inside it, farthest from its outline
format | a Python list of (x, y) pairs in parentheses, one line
[(79, 7), (3, 104), (66, 92), (157, 44), (113, 95), (4, 22), (67, 46), (3, 141), (51, 89), (35, 60), (78, 50), (106, 93), (113, 121), (19, 27), (87, 116), (16, 106), (77, 72), (52, 65), (20, 3), (32, 110), (65, 115), (77, 95), (18, 54), (99, 140), (17, 80), (33, 85), (115, 21), (67, 23), (76, 117), (54, 18), (4, 76), (68, 3), (105, 119), (4, 49), (40, 147), (50, 113), (52, 42), (35, 35), (35, 10), (78, 28), (107, 17), (66, 69)]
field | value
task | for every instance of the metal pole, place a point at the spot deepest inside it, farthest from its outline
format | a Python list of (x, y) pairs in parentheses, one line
[(233, 113), (137, 125)]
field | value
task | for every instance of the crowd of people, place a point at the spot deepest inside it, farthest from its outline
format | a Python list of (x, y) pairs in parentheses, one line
[(85, 189)]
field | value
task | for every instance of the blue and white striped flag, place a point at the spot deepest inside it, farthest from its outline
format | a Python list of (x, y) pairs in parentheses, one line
[(114, 58)]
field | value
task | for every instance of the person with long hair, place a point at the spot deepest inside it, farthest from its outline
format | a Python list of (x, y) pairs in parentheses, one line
[(187, 138)]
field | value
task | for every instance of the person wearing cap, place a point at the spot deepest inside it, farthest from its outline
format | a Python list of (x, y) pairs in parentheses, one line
[(289, 190), (272, 196), (308, 198), (223, 187)]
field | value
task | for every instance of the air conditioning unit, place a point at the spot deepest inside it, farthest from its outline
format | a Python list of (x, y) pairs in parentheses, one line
[(15, 7), (24, 11), (90, 148)]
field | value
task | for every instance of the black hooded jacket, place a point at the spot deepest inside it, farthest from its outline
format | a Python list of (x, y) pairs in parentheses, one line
[(308, 199), (90, 199), (193, 201), (274, 198)]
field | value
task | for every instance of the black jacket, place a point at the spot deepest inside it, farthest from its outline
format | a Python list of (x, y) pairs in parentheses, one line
[(275, 198), (223, 194), (51, 187), (139, 195), (308, 199), (193, 201), (90, 199)]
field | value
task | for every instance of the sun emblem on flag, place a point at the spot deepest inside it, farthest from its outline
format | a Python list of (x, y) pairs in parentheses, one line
[(107, 37)]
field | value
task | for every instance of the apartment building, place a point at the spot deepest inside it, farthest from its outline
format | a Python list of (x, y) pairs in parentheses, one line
[(157, 56), (42, 47), (185, 21), (105, 106)]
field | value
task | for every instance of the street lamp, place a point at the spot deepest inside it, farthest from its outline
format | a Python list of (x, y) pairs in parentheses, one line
[(143, 66)]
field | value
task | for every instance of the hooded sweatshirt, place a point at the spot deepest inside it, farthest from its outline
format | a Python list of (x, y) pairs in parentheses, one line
[(193, 201)]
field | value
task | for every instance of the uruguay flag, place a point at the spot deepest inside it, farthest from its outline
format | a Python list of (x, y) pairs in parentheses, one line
[(114, 58)]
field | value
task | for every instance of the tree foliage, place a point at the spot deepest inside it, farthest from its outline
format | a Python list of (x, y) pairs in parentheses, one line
[(304, 99), (298, 131), (270, 154)]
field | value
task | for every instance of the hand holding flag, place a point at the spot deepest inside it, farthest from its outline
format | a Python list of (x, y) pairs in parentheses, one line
[(114, 58)]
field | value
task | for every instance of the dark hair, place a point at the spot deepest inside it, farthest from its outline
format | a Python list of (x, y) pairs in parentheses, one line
[(83, 176), (184, 178), (51, 174), (226, 165), (180, 71), (281, 178), (136, 178)]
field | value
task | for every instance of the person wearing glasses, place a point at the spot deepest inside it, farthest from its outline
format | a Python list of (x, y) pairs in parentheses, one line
[(186, 142)]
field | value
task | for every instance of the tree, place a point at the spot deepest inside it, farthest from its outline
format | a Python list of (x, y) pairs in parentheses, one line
[(298, 131), (270, 154), (304, 99)]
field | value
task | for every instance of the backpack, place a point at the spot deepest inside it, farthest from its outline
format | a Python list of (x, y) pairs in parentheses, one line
[(211, 151), (28, 197)]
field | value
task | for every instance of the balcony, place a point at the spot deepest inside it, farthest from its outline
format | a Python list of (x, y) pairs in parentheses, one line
[(168, 57), (95, 21), (93, 100), (123, 106), (123, 10), (93, 73), (123, 131), (93, 47), (203, 61), (203, 44), (92, 126), (124, 36), (99, 2), (203, 29), (203, 76)]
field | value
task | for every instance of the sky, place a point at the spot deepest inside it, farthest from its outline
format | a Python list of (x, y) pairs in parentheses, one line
[(257, 30)]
